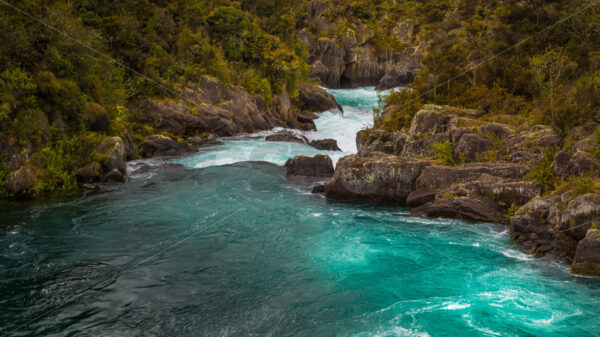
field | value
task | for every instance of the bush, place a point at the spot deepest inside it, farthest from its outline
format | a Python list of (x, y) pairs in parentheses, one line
[(543, 173), (397, 109), (444, 153)]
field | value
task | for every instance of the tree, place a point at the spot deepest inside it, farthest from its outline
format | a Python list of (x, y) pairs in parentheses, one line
[(548, 69)]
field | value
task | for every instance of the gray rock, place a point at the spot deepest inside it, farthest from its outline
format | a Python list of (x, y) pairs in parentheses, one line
[(470, 147), (114, 149), (91, 173), (465, 208), (162, 146), (319, 166), (380, 179), (325, 144), (579, 216), (114, 176), (587, 257), (20, 181), (420, 198), (315, 99)]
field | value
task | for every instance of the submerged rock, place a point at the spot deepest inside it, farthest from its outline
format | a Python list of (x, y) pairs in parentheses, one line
[(287, 137), (319, 166), (325, 144)]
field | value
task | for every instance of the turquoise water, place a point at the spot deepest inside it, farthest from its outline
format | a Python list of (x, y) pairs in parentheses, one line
[(234, 250)]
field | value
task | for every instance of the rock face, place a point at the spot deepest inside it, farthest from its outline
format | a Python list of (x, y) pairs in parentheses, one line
[(587, 258), (351, 58), (465, 208), (319, 166), (380, 179), (114, 149), (314, 99), (20, 181), (225, 110), (162, 146)]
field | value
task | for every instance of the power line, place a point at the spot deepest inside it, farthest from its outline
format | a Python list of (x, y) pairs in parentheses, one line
[(103, 283), (477, 65), (108, 57)]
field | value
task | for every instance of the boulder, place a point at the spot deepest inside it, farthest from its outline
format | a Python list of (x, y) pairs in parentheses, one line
[(97, 118), (566, 165), (91, 173), (114, 176), (587, 257), (420, 198), (380, 141), (470, 147), (114, 149), (20, 181), (534, 227), (317, 166), (464, 208), (318, 189), (315, 99), (162, 146), (325, 144), (429, 121), (381, 179)]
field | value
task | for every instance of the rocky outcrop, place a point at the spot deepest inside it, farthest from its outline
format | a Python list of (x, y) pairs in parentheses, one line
[(381, 179), (560, 226), (568, 165), (438, 177), (476, 208), (351, 58), (20, 181), (587, 258), (315, 99), (162, 146), (113, 149), (319, 166)]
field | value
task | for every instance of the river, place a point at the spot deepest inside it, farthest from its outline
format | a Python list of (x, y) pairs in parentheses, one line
[(226, 247)]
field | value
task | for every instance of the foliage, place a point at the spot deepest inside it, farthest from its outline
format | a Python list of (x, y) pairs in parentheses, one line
[(397, 109), (444, 153), (543, 173)]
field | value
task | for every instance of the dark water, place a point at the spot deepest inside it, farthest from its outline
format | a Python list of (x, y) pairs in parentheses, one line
[(236, 251)]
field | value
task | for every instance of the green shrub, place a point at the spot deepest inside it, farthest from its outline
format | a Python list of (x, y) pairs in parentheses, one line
[(543, 173), (444, 153)]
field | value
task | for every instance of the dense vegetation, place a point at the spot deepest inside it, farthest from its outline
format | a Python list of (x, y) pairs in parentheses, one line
[(53, 87), (490, 56)]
